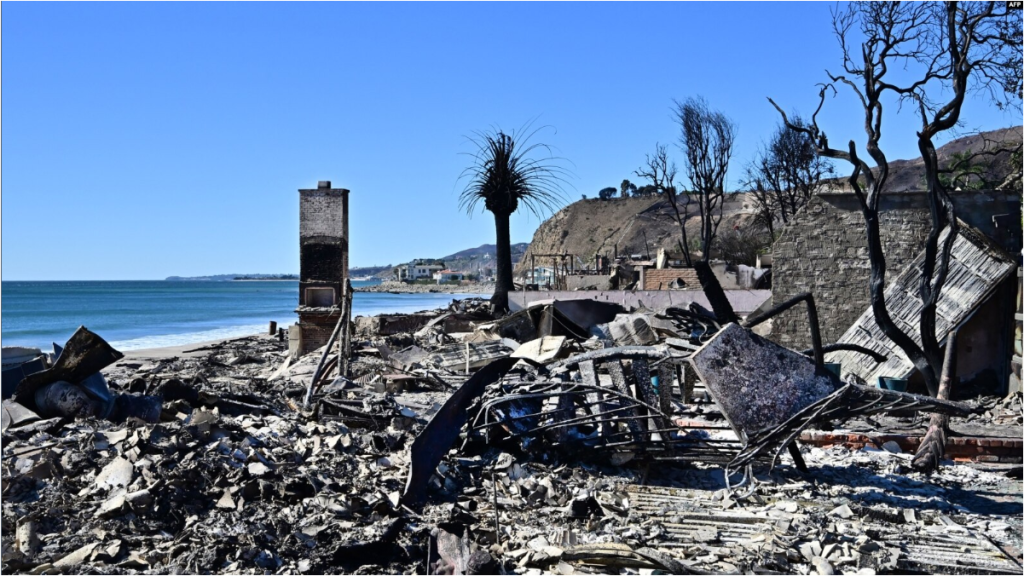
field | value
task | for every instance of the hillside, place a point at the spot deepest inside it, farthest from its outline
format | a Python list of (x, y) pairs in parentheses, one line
[(642, 225), (484, 250), (626, 225), (370, 271), (908, 175), (477, 260)]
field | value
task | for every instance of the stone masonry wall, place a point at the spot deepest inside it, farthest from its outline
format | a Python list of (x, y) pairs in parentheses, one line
[(824, 250), (316, 331)]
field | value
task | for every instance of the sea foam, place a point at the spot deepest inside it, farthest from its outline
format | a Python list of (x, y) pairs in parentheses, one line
[(161, 341)]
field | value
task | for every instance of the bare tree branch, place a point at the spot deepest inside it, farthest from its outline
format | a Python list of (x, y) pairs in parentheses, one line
[(948, 46)]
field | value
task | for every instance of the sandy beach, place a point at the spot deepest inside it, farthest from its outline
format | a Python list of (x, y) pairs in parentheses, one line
[(193, 350)]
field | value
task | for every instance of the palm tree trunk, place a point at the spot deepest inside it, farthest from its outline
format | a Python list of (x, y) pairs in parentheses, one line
[(503, 265)]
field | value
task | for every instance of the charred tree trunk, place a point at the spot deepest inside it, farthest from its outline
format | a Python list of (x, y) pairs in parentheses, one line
[(681, 219), (503, 265), (933, 446), (876, 258), (936, 259)]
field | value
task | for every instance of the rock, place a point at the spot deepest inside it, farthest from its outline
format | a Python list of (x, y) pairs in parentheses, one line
[(843, 512), (258, 468), (113, 505), (27, 538), (225, 500), (77, 557), (810, 550), (118, 472), (891, 446), (822, 566)]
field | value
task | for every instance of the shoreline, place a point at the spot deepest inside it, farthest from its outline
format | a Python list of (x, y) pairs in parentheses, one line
[(159, 344), (191, 350), (392, 287)]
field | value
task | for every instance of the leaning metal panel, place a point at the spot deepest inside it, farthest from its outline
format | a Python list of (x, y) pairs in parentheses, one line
[(757, 383)]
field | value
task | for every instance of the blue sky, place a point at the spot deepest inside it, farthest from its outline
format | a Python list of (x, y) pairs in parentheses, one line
[(148, 140)]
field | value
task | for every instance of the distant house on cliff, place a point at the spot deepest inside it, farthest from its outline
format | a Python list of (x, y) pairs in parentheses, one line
[(417, 270), (449, 276)]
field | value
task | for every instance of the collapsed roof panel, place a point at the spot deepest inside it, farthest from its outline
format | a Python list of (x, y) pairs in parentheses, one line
[(977, 268)]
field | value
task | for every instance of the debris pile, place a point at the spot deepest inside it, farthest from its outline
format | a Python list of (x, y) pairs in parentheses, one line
[(566, 438)]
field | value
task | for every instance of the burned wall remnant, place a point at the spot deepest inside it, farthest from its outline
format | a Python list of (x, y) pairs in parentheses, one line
[(823, 250), (665, 278), (323, 262)]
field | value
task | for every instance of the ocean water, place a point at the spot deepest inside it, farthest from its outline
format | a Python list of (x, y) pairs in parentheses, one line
[(132, 315)]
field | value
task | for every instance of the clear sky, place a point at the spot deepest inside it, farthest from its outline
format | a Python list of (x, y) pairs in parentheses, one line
[(146, 140)]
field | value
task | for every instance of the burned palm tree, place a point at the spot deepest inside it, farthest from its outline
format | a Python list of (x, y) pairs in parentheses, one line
[(504, 176)]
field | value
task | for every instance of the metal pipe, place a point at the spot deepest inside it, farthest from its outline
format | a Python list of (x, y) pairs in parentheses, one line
[(812, 318)]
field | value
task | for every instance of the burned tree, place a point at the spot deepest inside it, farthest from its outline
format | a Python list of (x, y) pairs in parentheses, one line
[(785, 174), (706, 138), (950, 49), (662, 173), (503, 176)]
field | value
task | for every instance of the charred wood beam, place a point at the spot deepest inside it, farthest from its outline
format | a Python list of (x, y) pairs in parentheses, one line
[(812, 319), (713, 290), (876, 356), (666, 375), (798, 459)]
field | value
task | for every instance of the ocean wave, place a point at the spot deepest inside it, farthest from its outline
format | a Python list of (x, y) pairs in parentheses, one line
[(163, 340)]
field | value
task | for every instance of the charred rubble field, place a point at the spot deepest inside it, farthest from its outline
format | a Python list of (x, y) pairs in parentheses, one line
[(591, 451)]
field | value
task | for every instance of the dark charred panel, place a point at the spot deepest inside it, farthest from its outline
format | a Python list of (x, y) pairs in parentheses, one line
[(320, 261)]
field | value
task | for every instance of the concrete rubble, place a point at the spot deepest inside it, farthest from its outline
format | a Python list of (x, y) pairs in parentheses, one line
[(565, 438)]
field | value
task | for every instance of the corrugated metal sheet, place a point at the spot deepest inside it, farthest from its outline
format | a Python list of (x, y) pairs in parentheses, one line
[(976, 269)]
